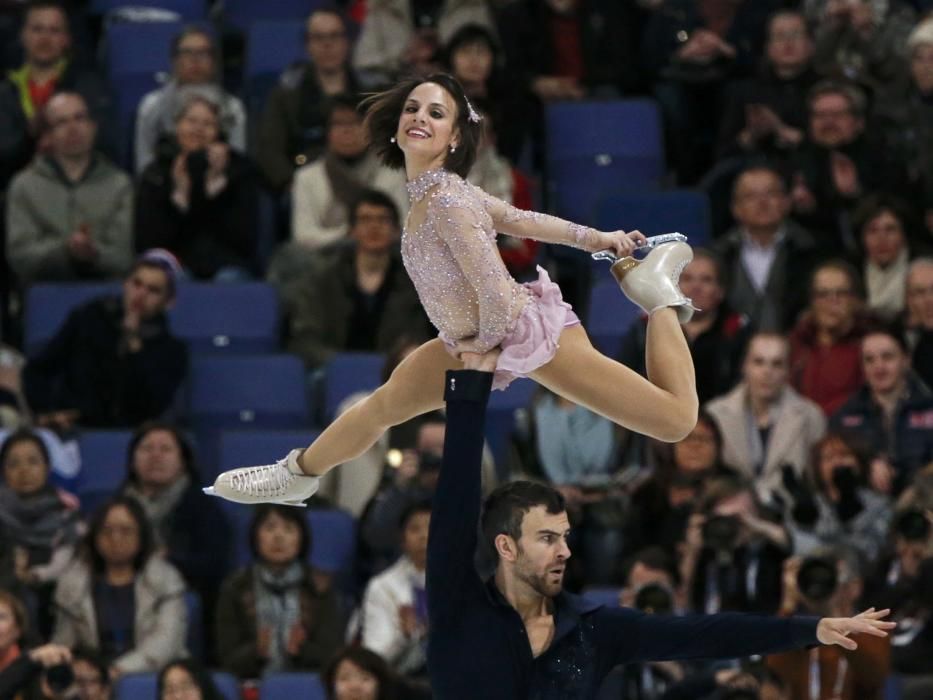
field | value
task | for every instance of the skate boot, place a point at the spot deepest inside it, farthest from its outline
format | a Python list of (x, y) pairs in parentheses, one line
[(653, 283), (283, 482)]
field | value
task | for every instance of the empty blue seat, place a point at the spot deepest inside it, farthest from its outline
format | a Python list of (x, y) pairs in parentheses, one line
[(501, 414), (143, 686), (140, 47), (290, 686), (103, 460), (610, 316), (48, 305), (245, 448), (185, 9), (240, 14), (347, 373), (594, 148), (607, 597), (270, 48), (241, 317), (261, 391), (652, 213)]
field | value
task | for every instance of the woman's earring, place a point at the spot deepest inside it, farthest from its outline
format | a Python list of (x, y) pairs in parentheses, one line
[(391, 139), (452, 148)]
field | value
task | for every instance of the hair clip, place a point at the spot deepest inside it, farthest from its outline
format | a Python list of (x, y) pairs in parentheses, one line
[(472, 114)]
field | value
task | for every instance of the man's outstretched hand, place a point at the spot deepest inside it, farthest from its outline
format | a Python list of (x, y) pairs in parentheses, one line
[(483, 362), (836, 630)]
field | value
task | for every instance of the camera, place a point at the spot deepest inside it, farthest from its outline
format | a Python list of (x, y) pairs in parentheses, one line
[(59, 678), (196, 163), (654, 598), (912, 525), (817, 578), (720, 532)]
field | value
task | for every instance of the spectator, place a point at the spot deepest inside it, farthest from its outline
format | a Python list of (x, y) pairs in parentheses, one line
[(185, 678), (92, 679), (46, 70), (356, 673), (114, 363), (766, 256), (904, 114), (195, 71), (882, 223), (726, 535), (893, 582), (661, 505), (862, 41), (271, 616), (833, 505), (768, 114), (29, 672), (324, 191), (199, 198), (292, 131), (370, 300), (40, 521), (70, 212), (893, 411), (691, 50), (120, 598), (14, 625), (837, 164), (919, 314), (825, 355), (64, 459), (829, 584), (716, 334), (765, 424), (400, 36), (193, 534), (394, 609)]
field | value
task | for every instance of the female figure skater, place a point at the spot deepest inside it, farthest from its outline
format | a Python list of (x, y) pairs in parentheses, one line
[(429, 127)]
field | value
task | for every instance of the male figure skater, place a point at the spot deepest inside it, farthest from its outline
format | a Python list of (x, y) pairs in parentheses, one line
[(518, 635)]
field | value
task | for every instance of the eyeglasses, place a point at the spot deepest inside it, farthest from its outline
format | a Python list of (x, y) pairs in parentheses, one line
[(832, 293)]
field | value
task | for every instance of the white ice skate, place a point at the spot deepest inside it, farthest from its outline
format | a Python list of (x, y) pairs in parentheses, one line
[(653, 283), (283, 482)]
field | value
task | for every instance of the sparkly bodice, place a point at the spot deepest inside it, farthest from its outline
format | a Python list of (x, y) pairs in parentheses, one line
[(452, 259)]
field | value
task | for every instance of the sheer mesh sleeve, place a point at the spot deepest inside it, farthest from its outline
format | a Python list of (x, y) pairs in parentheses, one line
[(539, 227)]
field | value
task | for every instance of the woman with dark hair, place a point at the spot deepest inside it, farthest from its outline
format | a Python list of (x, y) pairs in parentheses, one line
[(835, 505), (162, 476), (429, 127), (271, 616), (198, 199), (39, 522), (120, 598), (186, 679), (356, 673)]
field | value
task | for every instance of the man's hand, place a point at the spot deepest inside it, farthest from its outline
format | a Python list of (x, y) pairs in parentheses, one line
[(551, 87), (81, 246), (482, 362), (836, 630), (845, 175), (50, 655)]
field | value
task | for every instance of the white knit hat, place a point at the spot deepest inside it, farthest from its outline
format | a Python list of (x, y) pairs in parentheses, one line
[(922, 35)]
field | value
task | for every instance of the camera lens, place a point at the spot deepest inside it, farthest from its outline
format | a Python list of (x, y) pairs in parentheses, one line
[(60, 678), (817, 579), (912, 525), (720, 532)]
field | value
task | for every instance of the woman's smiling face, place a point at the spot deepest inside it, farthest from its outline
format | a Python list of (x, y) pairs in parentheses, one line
[(427, 126)]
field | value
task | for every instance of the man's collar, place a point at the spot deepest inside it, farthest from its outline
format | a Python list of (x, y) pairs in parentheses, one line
[(779, 236)]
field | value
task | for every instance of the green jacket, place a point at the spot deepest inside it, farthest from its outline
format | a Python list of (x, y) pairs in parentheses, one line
[(44, 209)]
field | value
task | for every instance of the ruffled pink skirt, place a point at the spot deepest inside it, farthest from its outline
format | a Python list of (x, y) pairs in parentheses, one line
[(533, 340)]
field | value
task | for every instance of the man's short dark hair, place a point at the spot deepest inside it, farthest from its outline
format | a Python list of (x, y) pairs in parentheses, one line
[(377, 199), (653, 558), (505, 508), (759, 167), (851, 92), (880, 327), (194, 29), (37, 5), (344, 101), (422, 505)]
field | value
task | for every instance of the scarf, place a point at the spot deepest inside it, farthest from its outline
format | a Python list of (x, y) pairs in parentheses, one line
[(39, 522), (20, 78), (160, 506), (886, 286), (349, 176), (278, 608)]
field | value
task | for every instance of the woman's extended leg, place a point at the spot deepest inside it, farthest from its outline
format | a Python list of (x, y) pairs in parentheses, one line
[(415, 387), (664, 406)]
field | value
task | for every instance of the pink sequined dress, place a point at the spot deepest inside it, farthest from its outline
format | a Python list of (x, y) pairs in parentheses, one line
[(463, 284)]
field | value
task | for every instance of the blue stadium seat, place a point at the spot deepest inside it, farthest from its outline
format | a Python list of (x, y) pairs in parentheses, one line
[(610, 316), (240, 14), (685, 211), (290, 686), (270, 48), (143, 686), (244, 448), (594, 148), (47, 306), (237, 317), (607, 597), (347, 373), (333, 539), (185, 9), (140, 47), (500, 417), (103, 460), (227, 684), (255, 391)]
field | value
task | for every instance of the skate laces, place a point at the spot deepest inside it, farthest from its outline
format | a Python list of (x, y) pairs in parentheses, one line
[(267, 481)]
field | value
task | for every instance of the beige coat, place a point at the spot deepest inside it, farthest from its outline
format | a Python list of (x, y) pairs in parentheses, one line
[(161, 615), (389, 27), (800, 423)]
